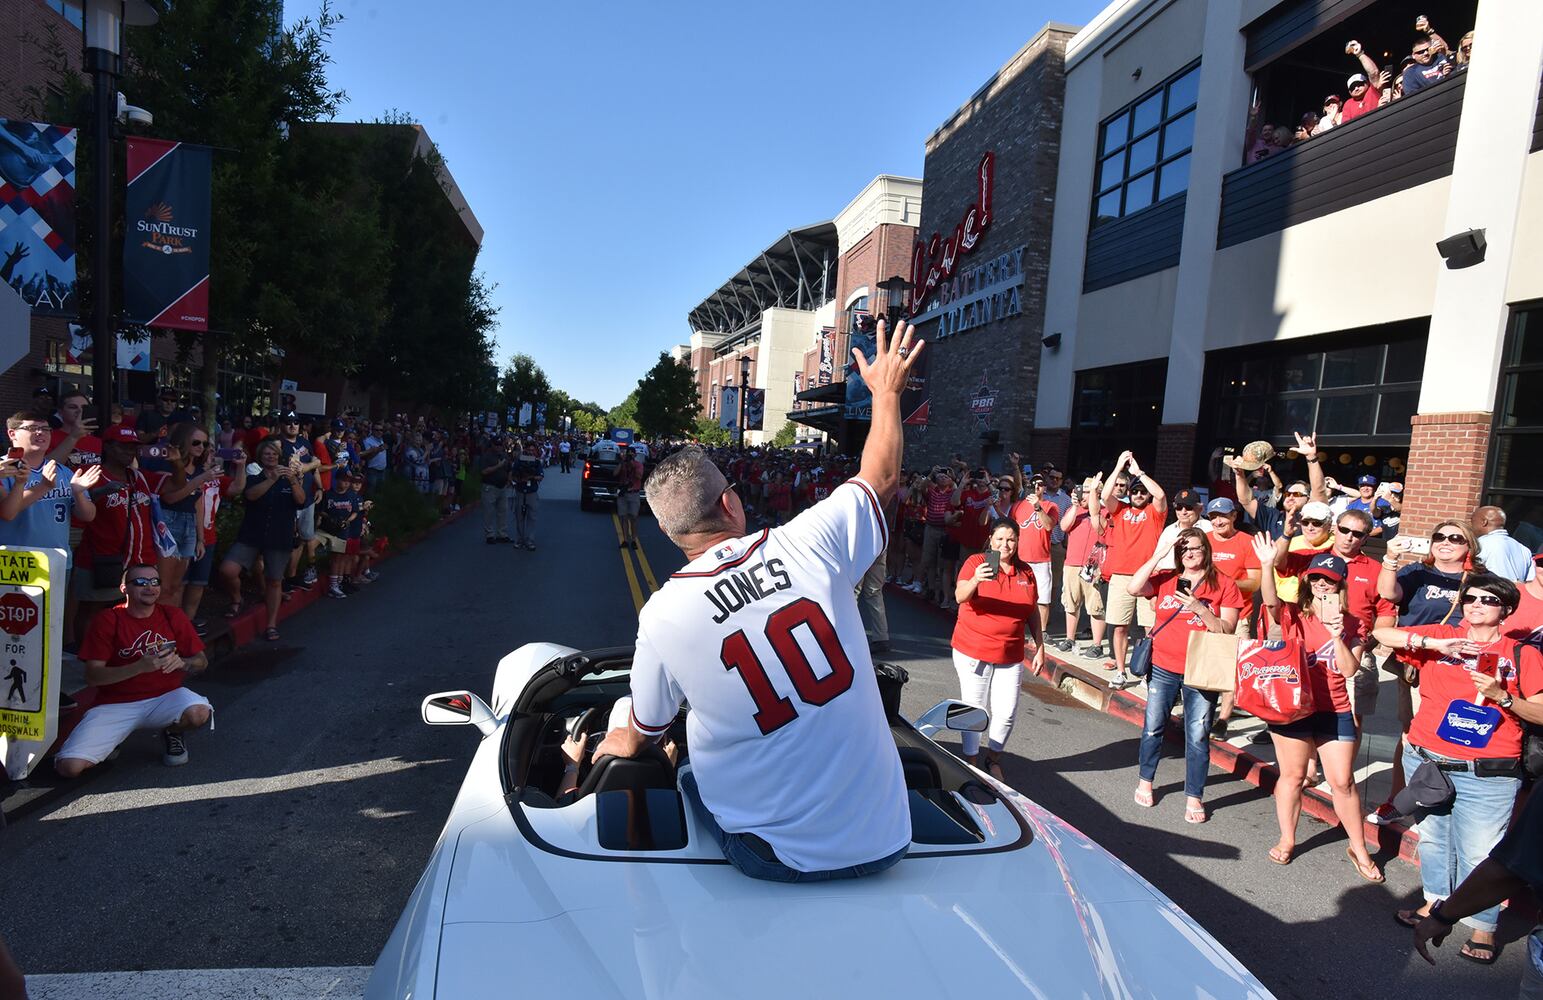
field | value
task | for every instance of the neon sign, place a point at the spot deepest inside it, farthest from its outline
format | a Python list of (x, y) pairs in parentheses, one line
[(933, 260)]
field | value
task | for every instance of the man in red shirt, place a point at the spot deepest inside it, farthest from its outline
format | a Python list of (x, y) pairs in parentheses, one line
[(1134, 526), (137, 655), (1036, 519), (76, 434), (1365, 94), (121, 532)]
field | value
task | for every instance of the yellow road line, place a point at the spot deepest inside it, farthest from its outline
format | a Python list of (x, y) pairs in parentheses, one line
[(648, 571), (632, 577)]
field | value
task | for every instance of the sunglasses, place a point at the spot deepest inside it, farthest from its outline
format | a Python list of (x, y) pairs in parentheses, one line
[(1191, 550), (1488, 600), (1186, 506), (1441, 536), (1352, 532), (145, 581), (1314, 521)]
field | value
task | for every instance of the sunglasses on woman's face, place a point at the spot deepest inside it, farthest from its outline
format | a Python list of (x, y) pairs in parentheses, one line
[(1441, 536), (1314, 522), (1192, 550), (1488, 600)]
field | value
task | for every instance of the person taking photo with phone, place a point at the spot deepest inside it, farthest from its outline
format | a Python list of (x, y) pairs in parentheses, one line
[(998, 598), (1478, 686), (1192, 598)]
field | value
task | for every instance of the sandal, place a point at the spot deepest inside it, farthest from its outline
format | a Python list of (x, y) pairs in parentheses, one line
[(1362, 870), (234, 611), (1472, 951), (994, 768), (1144, 798), (272, 635), (1195, 814), (1409, 918), (1281, 857)]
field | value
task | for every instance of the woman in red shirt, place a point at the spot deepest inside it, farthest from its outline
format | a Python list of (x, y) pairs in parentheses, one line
[(1333, 641), (1477, 686), (994, 608), (1194, 598)]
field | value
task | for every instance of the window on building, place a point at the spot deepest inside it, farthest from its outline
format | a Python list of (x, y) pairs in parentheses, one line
[(1143, 149), (71, 10), (856, 309), (1113, 409), (1515, 476)]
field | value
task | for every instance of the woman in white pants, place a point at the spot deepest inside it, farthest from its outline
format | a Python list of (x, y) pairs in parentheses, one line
[(997, 601)]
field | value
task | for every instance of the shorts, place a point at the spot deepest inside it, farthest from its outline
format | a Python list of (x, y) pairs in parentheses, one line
[(84, 591), (1121, 608), (1042, 580), (1077, 593), (337, 544), (103, 727), (439, 487), (1336, 727), (1365, 686), (183, 525), (275, 561), (305, 522), (201, 569), (949, 549), (629, 502)]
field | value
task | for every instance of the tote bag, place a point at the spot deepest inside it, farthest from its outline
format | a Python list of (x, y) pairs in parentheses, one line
[(1271, 681), (1211, 661)]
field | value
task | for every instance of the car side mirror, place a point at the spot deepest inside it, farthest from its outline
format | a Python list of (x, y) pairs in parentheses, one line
[(955, 715), (458, 708)]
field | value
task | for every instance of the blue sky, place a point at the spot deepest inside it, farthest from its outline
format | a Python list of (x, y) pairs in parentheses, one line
[(626, 159)]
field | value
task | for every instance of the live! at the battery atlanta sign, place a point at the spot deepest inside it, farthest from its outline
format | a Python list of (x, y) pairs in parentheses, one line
[(934, 260)]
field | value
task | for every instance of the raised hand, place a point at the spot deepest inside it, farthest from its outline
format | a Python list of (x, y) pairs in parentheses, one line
[(87, 477), (892, 359), (1307, 446), (50, 472), (1266, 551)]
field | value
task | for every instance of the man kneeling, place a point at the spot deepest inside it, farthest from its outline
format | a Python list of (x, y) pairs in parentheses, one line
[(137, 654)]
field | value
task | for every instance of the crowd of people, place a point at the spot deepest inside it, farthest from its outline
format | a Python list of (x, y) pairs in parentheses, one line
[(1369, 87)]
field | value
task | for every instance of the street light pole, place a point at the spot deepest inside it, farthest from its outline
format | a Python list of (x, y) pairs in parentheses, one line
[(744, 389), (103, 29)]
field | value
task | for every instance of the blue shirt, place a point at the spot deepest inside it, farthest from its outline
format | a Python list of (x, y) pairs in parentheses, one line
[(1505, 556), (1376, 508), (1430, 596), (46, 523)]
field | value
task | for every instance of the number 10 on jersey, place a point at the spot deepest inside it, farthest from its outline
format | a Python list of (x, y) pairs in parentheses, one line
[(772, 710)]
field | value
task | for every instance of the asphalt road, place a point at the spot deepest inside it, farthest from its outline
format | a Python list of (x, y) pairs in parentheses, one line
[(297, 831)]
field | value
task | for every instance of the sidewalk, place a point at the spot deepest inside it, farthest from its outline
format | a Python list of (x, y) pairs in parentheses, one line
[(1088, 681)]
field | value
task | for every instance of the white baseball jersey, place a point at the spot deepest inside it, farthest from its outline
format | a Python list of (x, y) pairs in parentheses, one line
[(787, 735)]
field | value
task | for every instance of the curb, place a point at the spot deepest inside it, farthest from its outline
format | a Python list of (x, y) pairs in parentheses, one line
[(1094, 691), (19, 798)]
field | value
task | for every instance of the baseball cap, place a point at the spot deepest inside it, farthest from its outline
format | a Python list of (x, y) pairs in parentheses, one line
[(121, 434), (1355, 79), (1367, 480), (1317, 510), (1326, 564), (290, 418), (1138, 485), (1253, 455), (338, 425), (1221, 505), (1186, 498), (1427, 788), (1331, 99), (42, 390)]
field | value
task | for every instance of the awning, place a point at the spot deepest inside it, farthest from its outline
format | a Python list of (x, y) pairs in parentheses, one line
[(822, 418), (832, 392)]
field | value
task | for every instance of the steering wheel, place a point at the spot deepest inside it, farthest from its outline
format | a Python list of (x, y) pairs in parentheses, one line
[(582, 730)]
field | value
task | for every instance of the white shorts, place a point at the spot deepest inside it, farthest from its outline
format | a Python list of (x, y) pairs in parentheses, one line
[(1043, 584), (105, 726)]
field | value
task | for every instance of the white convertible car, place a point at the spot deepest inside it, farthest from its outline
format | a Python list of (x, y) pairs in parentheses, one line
[(615, 891)]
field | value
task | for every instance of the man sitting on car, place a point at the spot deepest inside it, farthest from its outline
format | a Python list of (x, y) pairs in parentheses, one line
[(792, 763)]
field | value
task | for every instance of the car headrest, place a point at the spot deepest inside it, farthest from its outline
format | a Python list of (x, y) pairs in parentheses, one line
[(649, 769)]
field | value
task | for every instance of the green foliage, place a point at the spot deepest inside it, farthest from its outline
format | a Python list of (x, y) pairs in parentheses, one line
[(667, 400), (709, 433), (587, 422), (625, 413), (785, 436), (400, 510), (523, 381)]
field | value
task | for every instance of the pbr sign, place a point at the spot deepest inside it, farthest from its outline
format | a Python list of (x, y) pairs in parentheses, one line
[(166, 235), (31, 621)]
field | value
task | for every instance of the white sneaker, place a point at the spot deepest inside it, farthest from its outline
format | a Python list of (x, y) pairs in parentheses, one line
[(336, 591), (310, 576)]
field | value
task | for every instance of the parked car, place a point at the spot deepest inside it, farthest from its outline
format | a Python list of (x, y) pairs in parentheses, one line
[(616, 890)]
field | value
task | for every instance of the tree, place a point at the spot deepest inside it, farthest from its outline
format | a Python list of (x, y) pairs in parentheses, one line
[(785, 436), (667, 399), (625, 413), (710, 433), (523, 381), (587, 422)]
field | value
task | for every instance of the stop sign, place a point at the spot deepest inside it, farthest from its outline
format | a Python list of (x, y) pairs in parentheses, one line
[(18, 614)]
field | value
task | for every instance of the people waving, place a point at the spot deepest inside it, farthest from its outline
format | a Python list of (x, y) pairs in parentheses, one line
[(1333, 641)]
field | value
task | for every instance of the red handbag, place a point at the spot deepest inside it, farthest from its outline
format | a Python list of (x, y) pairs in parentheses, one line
[(1272, 681)]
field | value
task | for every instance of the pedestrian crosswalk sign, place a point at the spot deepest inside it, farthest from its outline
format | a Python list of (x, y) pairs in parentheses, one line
[(31, 622)]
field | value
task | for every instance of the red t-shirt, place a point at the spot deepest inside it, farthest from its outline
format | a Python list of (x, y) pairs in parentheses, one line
[(1233, 557), (1352, 108), (990, 624), (940, 500), (117, 639), (1170, 647), (89, 448), (781, 495), (1362, 602), (121, 526), (1445, 679), (1526, 623), (251, 437), (209, 497), (1323, 674), (1034, 526), (322, 455), (1132, 537), (972, 531)]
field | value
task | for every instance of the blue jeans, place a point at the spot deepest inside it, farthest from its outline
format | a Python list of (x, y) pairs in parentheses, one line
[(1163, 689), (1455, 839), (739, 852)]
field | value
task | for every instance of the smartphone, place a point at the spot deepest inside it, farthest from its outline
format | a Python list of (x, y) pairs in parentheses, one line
[(1184, 586), (14, 454), (1329, 607), (228, 454), (994, 561), (153, 451), (166, 648), (1418, 547)]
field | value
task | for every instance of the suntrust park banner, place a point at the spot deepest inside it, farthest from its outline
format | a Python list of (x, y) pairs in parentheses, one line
[(166, 235)]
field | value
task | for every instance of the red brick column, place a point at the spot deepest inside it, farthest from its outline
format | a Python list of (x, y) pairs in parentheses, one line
[(1174, 467), (1447, 455)]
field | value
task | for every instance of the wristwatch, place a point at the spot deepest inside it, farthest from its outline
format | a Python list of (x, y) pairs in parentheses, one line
[(1506, 701), (1436, 914)]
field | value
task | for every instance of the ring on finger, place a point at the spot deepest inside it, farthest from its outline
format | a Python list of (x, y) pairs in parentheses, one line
[(905, 352)]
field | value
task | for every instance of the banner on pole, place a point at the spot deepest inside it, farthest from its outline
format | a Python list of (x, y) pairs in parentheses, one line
[(133, 355), (827, 355), (916, 397), (755, 409), (524, 414), (37, 215), (728, 412), (80, 345), (166, 235), (541, 415)]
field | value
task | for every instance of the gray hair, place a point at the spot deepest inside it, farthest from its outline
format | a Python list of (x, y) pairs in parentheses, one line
[(683, 492)]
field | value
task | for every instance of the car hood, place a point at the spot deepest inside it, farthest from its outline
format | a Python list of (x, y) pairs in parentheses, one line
[(1058, 918)]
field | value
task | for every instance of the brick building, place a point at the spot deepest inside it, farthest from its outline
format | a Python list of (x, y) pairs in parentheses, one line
[(1376, 283), (981, 265)]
